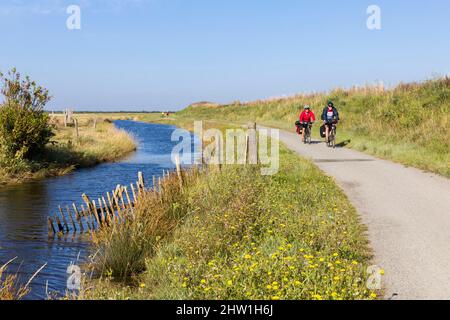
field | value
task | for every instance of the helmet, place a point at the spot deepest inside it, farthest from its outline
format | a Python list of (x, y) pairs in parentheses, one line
[(307, 107)]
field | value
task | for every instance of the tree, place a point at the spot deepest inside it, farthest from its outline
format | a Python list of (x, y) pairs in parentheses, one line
[(24, 128)]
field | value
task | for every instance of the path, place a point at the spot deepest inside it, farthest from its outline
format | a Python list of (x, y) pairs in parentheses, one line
[(407, 213)]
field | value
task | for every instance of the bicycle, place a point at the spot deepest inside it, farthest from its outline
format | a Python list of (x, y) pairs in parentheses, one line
[(332, 136), (308, 139)]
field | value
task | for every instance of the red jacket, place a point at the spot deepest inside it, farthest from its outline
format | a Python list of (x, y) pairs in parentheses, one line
[(307, 117)]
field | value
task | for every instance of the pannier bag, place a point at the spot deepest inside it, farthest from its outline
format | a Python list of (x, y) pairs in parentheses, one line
[(322, 131), (299, 127)]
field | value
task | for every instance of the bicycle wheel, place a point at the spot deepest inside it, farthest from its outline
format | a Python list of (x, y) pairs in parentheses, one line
[(334, 139)]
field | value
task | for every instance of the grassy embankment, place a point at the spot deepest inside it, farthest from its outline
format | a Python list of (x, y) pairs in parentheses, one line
[(94, 145), (408, 124), (235, 234)]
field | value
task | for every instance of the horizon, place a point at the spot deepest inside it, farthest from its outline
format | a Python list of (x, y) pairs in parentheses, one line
[(130, 55)]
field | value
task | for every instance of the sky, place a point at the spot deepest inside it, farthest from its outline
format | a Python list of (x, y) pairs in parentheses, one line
[(165, 54)]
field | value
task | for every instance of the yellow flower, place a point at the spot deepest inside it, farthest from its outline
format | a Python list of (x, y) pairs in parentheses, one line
[(275, 298), (184, 285), (247, 256), (203, 281), (373, 295), (230, 282), (142, 285), (382, 272)]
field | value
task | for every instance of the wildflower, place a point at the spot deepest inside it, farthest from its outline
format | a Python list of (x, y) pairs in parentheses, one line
[(247, 256), (275, 298), (381, 272), (230, 283), (142, 285), (203, 281), (373, 295)]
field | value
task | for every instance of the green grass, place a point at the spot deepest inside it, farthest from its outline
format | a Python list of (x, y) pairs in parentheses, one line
[(408, 124), (102, 144), (235, 234)]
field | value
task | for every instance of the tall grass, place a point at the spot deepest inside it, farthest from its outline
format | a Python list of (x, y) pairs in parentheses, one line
[(9, 289), (122, 249), (408, 123), (235, 234)]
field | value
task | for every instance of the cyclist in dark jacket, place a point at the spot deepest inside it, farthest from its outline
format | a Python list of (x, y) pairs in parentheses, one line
[(330, 116)]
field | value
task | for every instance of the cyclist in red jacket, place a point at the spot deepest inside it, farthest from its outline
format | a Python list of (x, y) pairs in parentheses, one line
[(307, 118)]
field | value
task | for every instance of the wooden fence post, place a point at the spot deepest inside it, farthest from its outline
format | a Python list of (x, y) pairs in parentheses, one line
[(51, 227), (141, 181), (63, 219), (252, 144)]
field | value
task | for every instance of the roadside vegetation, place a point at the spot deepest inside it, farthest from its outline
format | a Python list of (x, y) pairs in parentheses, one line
[(34, 144), (232, 233), (9, 289), (407, 124)]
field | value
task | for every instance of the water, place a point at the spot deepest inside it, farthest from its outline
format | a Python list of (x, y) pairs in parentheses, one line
[(24, 208)]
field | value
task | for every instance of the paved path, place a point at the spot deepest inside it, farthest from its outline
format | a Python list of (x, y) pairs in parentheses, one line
[(407, 213)]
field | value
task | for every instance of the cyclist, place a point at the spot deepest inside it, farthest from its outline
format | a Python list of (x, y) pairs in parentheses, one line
[(307, 118), (330, 117)]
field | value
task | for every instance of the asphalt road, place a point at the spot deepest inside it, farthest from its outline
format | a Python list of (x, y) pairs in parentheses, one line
[(407, 213)]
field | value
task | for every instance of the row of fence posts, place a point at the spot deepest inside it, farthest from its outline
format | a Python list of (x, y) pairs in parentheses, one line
[(251, 146), (118, 205), (109, 210)]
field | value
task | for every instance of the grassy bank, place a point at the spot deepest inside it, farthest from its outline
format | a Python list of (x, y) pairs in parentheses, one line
[(235, 234), (408, 124), (67, 152)]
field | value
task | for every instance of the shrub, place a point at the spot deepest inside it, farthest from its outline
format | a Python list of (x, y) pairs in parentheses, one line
[(24, 128)]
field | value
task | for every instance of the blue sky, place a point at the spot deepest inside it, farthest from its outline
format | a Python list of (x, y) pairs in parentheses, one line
[(165, 54)]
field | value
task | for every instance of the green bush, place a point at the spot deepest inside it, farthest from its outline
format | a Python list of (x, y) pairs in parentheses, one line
[(24, 128)]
